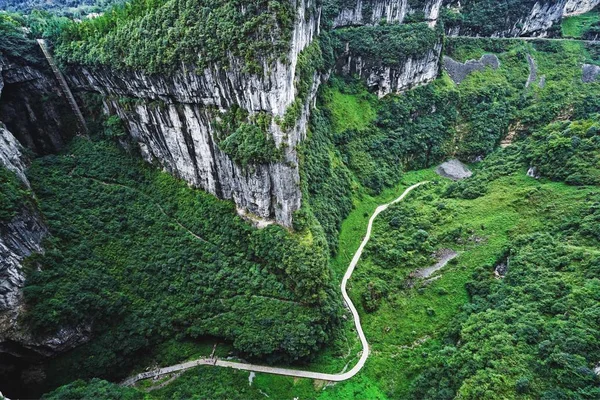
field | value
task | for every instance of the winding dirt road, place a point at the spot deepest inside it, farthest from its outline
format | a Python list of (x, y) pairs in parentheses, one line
[(287, 371)]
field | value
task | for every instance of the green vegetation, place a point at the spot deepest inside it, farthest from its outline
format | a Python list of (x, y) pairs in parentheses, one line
[(568, 151), (487, 17), (15, 45), (159, 35), (534, 334), (464, 332), (246, 139), (358, 141), (580, 26), (70, 8), (94, 389), (116, 225), (390, 45), (310, 61), (13, 194)]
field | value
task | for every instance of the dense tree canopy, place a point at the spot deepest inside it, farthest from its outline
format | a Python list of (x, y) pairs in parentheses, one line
[(159, 35), (140, 258)]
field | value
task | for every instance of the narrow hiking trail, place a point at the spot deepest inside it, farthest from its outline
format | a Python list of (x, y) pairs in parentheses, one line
[(288, 371)]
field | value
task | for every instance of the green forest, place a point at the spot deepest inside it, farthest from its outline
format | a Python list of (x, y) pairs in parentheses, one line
[(158, 35), (160, 273), (469, 333), (117, 224)]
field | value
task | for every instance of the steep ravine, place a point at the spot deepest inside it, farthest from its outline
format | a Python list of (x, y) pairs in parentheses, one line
[(385, 79), (42, 126)]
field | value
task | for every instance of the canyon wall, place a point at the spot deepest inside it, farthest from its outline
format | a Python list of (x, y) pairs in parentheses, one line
[(386, 79), (373, 12), (31, 104), (22, 235), (536, 18), (172, 120), (533, 18)]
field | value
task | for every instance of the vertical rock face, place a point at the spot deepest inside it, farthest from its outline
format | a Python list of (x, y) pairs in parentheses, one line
[(20, 237), (407, 74), (574, 7), (172, 118), (537, 21), (32, 107), (372, 12), (10, 152)]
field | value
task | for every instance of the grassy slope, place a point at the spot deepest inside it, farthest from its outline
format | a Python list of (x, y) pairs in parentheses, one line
[(504, 211), (577, 25)]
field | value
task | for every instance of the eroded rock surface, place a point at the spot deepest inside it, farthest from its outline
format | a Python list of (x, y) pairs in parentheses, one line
[(373, 12), (458, 71), (590, 73), (172, 120), (454, 169), (412, 72)]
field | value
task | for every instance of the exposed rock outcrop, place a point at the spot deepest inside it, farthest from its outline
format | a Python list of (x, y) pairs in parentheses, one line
[(458, 71), (31, 105), (372, 12), (172, 120), (454, 170), (590, 73), (407, 74), (532, 71), (540, 18), (11, 156), (575, 7)]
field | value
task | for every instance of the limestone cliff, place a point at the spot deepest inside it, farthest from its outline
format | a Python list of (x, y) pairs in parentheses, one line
[(372, 12), (385, 79), (31, 105), (172, 120), (23, 234)]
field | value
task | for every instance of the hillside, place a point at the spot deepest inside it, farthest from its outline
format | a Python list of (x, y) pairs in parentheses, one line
[(238, 160)]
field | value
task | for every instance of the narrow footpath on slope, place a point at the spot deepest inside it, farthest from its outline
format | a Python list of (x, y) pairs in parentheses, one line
[(286, 371)]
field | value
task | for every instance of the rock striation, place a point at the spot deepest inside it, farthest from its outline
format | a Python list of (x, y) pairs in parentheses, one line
[(373, 12), (537, 21), (386, 79), (171, 118), (31, 105)]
